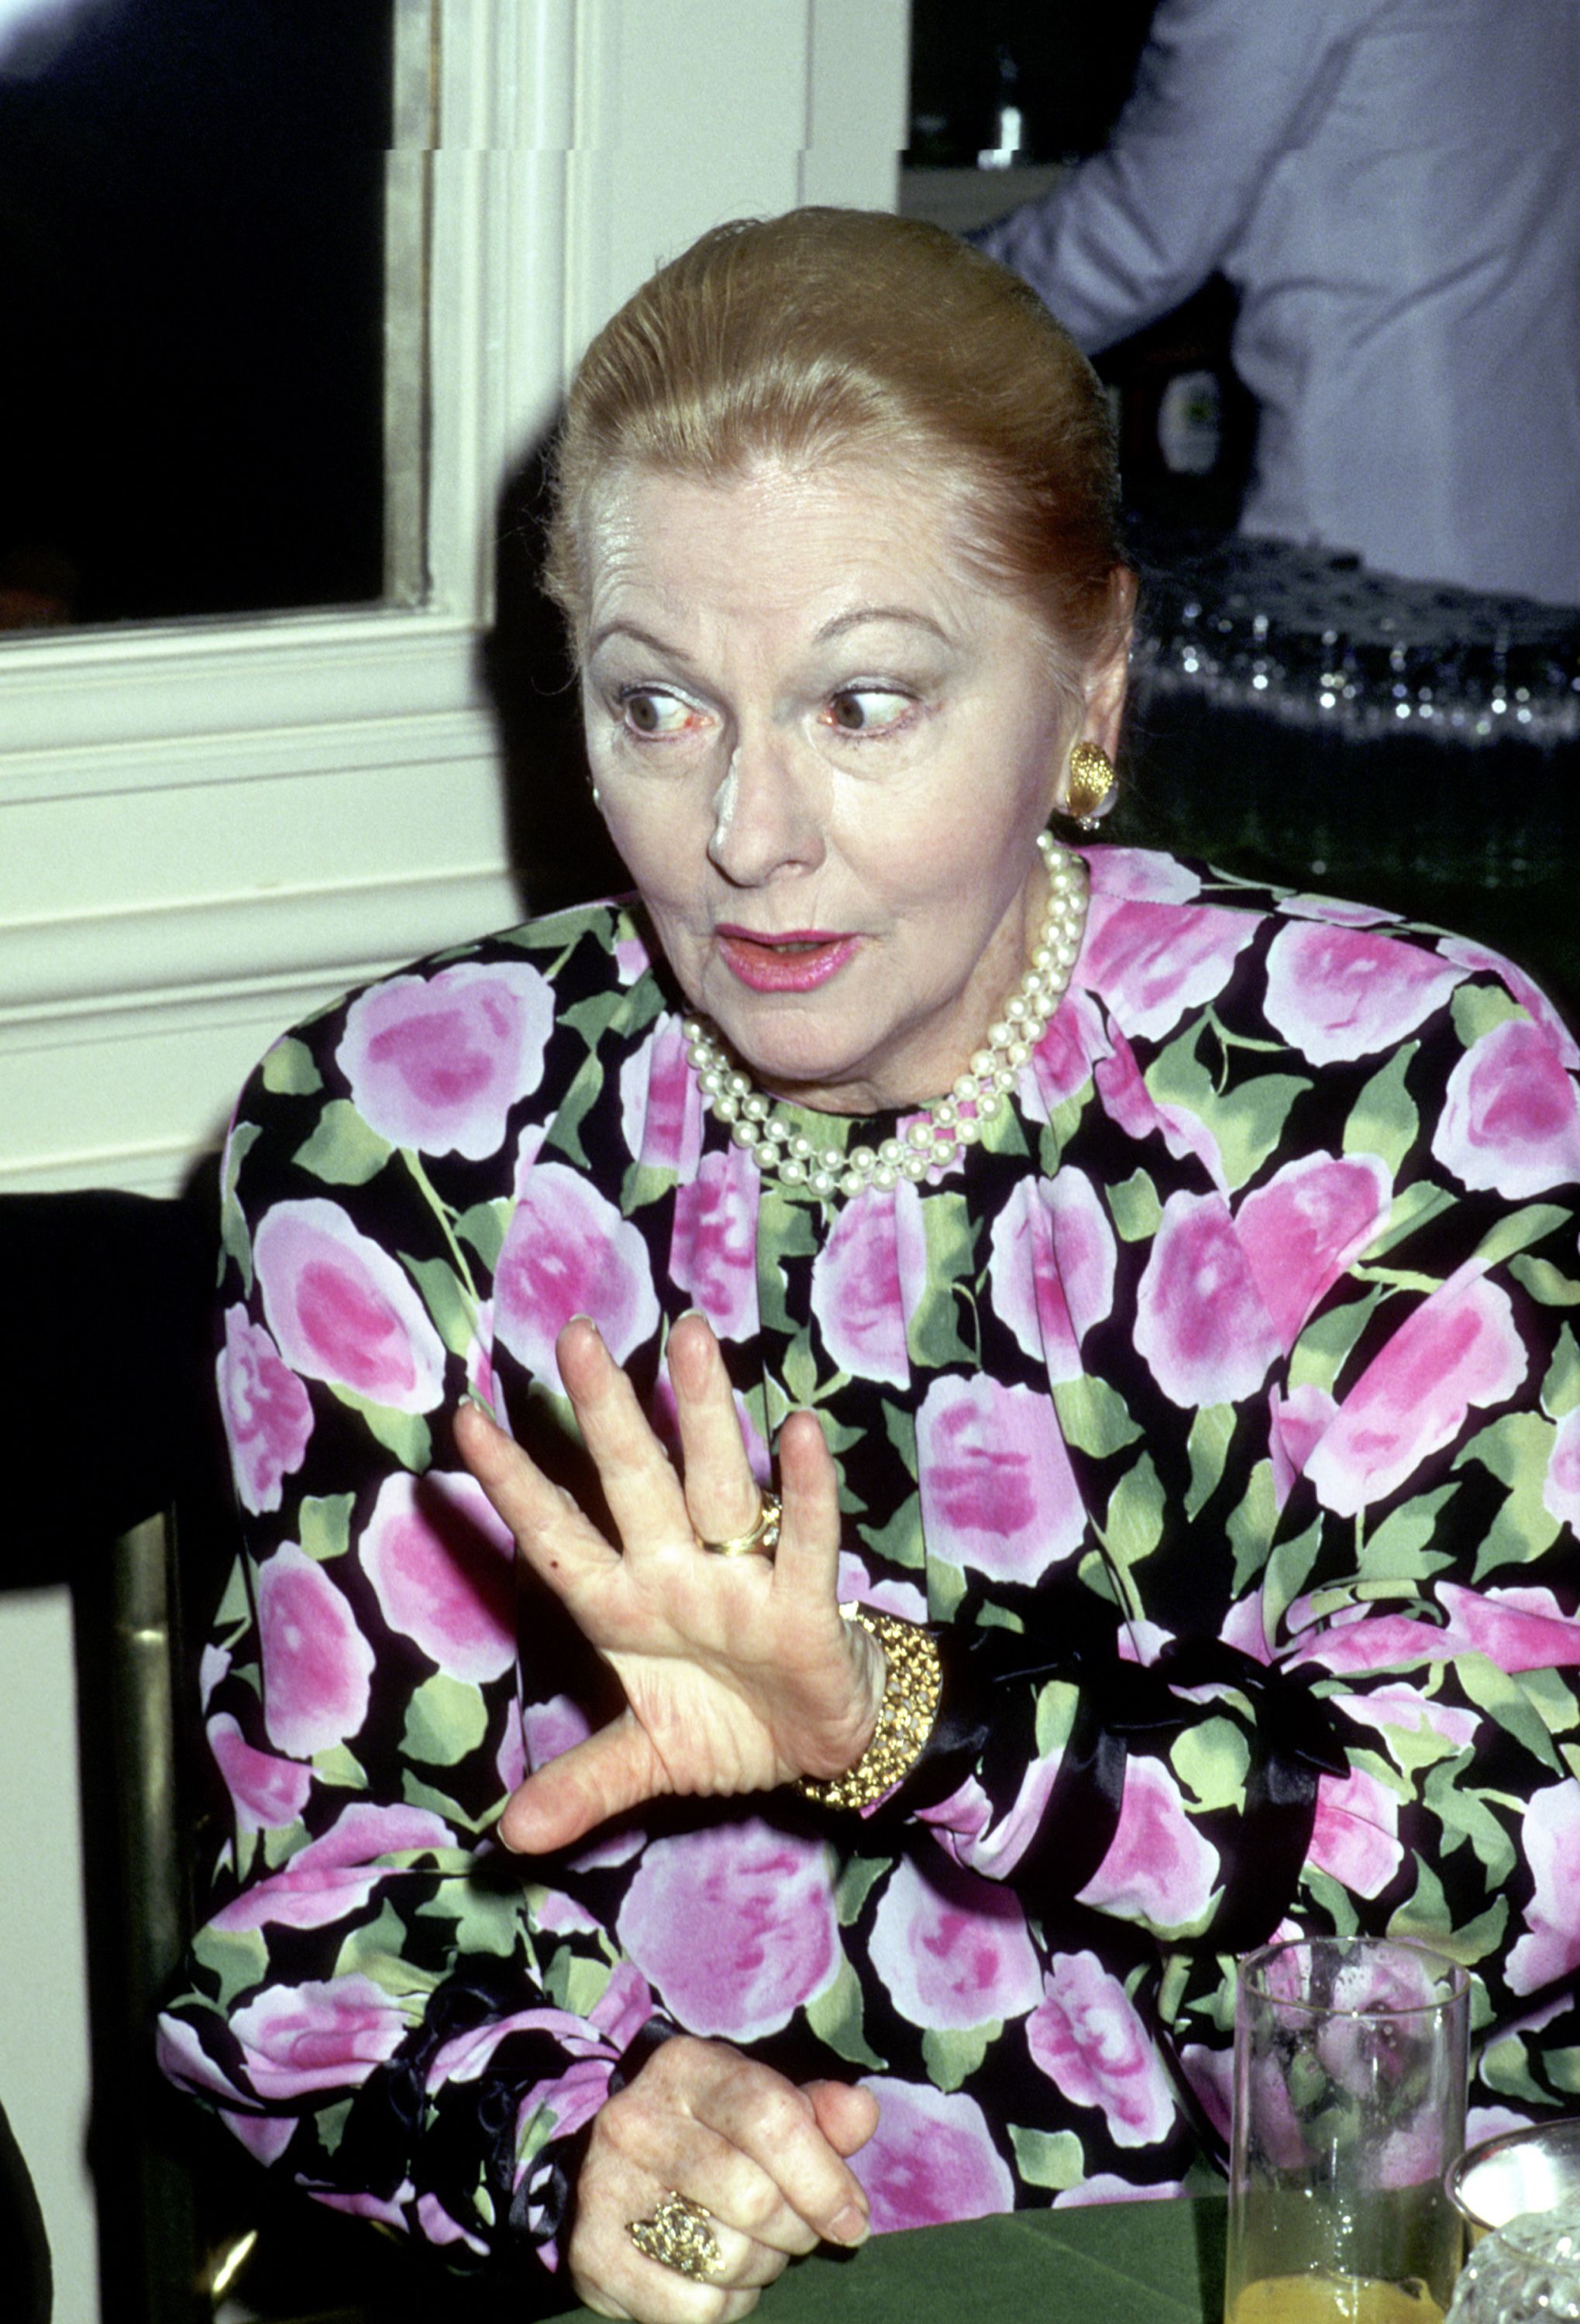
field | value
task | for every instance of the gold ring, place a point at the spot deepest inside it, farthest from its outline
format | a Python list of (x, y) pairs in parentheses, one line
[(762, 1539), (679, 2235)]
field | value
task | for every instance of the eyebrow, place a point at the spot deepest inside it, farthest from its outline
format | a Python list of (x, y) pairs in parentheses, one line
[(905, 615), (638, 636)]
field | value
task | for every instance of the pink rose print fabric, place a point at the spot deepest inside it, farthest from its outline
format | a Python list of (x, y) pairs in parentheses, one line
[(342, 1311), (1210, 2076), (315, 2037), (1301, 1230), (867, 1282), (1549, 1947), (1341, 915), (1107, 2187), (953, 1949), (440, 2227), (1127, 1101), (931, 2159), (1458, 1350), (661, 1105), (1531, 997), (442, 1565), (1299, 1420), (1355, 1837), (1512, 1115), (998, 1492), (735, 1929), (619, 2013), (1151, 962), (569, 1253), (1062, 1061), (1052, 1270), (1336, 993), (317, 1666), (1219, 1410), (437, 1062), (995, 1844), (1517, 1629), (1202, 1322), (268, 1415), (267, 1791), (1087, 2036), (1158, 1868), (712, 1254), (548, 1729), (1560, 1492), (333, 1877), (1139, 874)]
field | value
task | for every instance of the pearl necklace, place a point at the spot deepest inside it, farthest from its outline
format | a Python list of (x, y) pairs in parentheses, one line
[(949, 1123)]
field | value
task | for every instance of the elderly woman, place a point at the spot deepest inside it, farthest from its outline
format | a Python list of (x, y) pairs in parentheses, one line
[(1034, 1388)]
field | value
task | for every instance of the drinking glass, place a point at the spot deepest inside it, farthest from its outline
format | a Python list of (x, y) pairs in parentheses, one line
[(1535, 2169), (1526, 2271), (1350, 2065)]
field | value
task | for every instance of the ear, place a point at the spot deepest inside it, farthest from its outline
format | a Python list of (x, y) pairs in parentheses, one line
[(1105, 681)]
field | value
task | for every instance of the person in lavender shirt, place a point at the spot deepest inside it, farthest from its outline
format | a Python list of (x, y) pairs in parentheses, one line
[(861, 1466), (1389, 185)]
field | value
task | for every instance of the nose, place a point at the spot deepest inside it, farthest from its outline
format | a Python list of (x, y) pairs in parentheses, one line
[(768, 811)]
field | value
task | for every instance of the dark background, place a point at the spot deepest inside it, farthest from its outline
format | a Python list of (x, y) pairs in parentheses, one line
[(1067, 67), (191, 278)]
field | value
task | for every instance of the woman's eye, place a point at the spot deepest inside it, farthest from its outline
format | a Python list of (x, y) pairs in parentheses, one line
[(861, 709), (648, 712)]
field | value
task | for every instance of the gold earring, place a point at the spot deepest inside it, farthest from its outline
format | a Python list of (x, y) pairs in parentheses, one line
[(1090, 786)]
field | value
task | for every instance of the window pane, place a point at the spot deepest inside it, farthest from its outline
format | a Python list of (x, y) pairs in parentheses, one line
[(192, 235)]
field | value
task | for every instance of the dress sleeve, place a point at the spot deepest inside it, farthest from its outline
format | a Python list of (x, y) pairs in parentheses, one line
[(1225, 87), (382, 2004), (1370, 1721)]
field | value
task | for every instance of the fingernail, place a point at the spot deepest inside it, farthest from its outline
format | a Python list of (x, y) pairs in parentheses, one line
[(852, 2225)]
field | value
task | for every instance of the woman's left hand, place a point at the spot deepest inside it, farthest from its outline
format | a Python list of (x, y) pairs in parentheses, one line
[(739, 1673)]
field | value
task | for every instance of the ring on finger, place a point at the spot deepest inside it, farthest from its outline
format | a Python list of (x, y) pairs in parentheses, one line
[(762, 1537), (680, 2235)]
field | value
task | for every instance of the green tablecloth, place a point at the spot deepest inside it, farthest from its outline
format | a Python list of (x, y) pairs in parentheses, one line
[(1100, 2264)]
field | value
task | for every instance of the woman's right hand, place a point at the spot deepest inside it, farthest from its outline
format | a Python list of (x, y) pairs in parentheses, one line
[(764, 2158), (739, 1673)]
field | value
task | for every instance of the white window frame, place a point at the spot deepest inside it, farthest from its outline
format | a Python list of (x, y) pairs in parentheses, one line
[(222, 683)]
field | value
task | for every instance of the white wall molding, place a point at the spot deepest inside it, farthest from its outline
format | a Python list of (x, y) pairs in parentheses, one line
[(104, 691), (110, 960), (208, 761)]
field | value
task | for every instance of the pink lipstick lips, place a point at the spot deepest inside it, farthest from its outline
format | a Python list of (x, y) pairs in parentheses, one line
[(798, 961)]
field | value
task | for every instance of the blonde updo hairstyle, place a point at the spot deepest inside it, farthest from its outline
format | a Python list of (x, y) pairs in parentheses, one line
[(830, 335)]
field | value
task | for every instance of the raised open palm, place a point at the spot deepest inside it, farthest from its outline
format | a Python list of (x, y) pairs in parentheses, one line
[(739, 1673)]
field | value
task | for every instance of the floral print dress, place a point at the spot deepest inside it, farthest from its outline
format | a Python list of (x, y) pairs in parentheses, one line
[(1222, 1408)]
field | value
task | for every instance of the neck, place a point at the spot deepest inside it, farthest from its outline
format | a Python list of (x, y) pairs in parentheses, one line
[(942, 1129)]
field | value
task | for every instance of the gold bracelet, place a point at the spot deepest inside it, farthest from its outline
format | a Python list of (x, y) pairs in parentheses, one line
[(912, 1682)]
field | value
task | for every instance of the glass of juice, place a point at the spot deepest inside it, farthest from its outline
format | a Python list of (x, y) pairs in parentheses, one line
[(1350, 2068)]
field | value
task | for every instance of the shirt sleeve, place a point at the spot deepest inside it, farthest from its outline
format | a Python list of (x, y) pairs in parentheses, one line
[(1224, 88), (1376, 1728), (383, 2005)]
